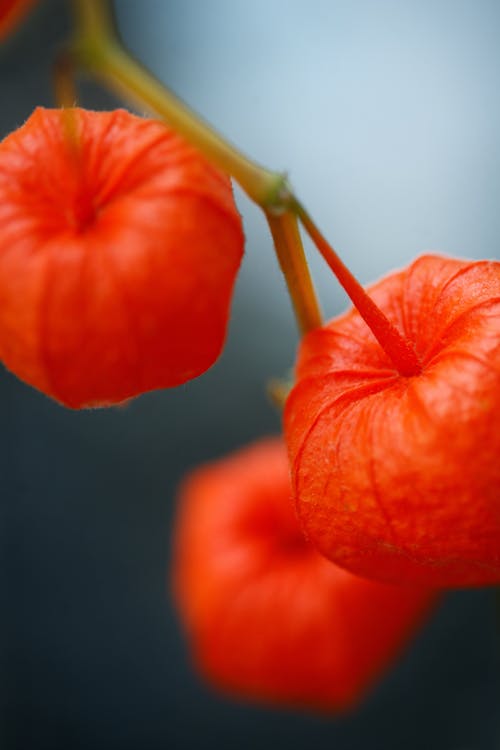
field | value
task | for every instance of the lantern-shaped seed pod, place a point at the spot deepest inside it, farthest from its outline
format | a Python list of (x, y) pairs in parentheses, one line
[(397, 477), (267, 617), (119, 248)]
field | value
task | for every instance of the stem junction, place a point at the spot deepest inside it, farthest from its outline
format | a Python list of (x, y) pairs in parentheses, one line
[(98, 49)]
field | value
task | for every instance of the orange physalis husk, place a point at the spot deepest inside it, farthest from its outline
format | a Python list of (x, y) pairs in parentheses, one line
[(398, 478), (11, 12), (119, 249), (268, 618)]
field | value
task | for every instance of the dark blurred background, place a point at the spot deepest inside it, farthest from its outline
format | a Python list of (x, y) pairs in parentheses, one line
[(387, 115)]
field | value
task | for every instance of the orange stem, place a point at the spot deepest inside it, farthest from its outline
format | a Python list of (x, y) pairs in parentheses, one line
[(396, 346)]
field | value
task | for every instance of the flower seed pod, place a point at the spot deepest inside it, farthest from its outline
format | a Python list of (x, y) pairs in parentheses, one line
[(119, 248), (398, 478), (11, 13), (267, 617)]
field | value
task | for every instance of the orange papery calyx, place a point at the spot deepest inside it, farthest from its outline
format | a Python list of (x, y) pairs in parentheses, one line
[(11, 13), (119, 250), (396, 475), (267, 617)]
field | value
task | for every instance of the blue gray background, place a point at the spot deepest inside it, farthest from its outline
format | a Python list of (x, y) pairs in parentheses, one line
[(386, 115)]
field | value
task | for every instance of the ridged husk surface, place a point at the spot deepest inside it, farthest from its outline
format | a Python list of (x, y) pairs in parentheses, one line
[(119, 248), (398, 478)]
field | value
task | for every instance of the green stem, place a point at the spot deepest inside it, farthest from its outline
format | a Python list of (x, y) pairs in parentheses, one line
[(63, 78), (98, 49), (94, 20), (278, 391)]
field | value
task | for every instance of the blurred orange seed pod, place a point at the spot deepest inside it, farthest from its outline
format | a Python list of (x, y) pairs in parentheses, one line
[(267, 617), (11, 12), (119, 248)]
